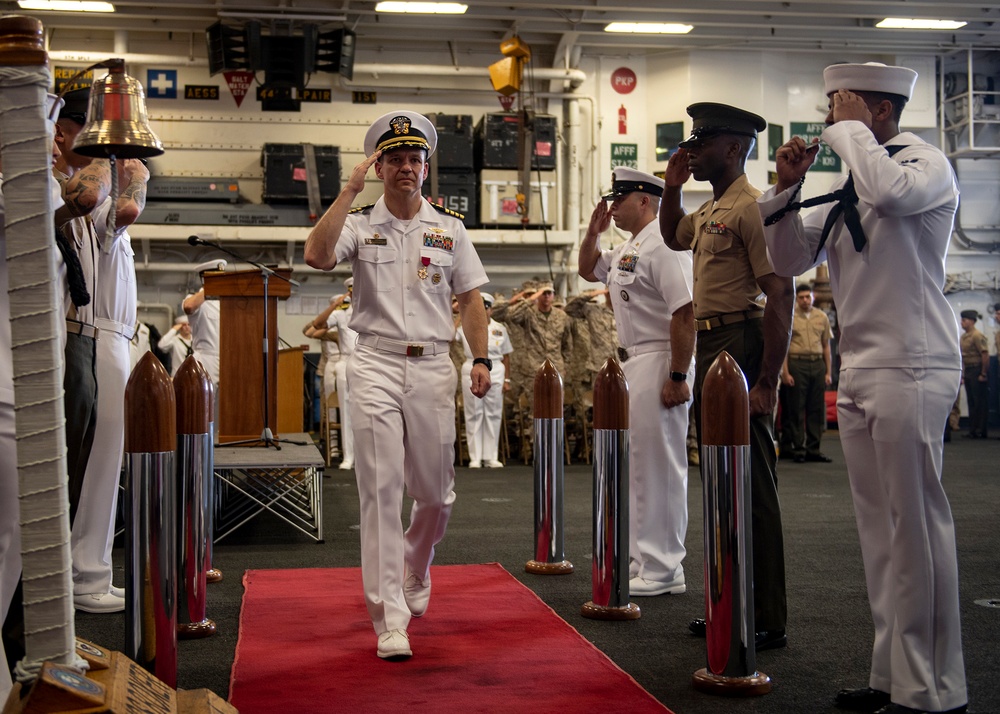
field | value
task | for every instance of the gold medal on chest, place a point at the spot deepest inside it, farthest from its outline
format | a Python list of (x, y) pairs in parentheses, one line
[(422, 273)]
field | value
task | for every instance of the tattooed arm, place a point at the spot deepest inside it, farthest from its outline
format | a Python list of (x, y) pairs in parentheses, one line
[(84, 191), (133, 176)]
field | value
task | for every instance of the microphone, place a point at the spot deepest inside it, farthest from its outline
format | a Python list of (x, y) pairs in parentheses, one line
[(195, 240)]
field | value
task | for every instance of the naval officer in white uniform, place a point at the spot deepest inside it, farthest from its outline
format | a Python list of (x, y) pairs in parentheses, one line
[(115, 303), (204, 316), (408, 257), (650, 287), (482, 416), (347, 339)]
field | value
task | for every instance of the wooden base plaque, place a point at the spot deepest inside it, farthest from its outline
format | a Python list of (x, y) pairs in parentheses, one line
[(750, 686)]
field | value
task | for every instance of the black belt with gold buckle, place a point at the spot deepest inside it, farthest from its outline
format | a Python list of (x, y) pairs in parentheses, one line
[(730, 318)]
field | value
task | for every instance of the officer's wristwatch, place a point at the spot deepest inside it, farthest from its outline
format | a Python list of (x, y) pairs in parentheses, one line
[(678, 376), (484, 360)]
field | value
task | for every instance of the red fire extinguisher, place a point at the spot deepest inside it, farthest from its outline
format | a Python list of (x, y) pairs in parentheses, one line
[(622, 120)]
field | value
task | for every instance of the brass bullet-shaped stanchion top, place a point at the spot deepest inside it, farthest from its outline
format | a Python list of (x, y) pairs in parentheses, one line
[(611, 397), (548, 392), (725, 408), (22, 42), (193, 394), (150, 409)]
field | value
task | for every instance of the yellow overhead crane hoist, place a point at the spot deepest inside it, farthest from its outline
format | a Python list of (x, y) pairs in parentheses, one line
[(506, 76)]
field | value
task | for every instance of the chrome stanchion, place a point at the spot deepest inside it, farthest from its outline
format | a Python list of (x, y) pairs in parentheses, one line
[(725, 468), (549, 471), (213, 574), (151, 521), (611, 556), (193, 393)]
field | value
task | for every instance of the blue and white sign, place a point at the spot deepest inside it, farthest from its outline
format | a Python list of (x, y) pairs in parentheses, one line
[(161, 83)]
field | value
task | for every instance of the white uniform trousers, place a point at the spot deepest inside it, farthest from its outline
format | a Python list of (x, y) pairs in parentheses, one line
[(403, 410), (93, 527), (10, 529), (330, 376), (482, 416), (344, 397), (658, 470), (210, 361), (891, 425)]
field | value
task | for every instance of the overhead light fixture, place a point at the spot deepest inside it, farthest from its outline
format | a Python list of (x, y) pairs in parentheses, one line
[(423, 8), (66, 5), (649, 28), (908, 23)]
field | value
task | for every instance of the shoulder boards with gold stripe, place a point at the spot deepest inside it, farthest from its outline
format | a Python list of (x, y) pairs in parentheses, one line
[(448, 211)]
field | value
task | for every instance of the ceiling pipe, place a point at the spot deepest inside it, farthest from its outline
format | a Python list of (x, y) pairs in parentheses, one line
[(575, 77)]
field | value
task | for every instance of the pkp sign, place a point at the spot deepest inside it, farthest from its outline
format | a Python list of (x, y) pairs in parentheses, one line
[(623, 80)]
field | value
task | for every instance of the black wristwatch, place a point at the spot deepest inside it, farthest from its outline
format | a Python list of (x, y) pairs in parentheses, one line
[(484, 360), (678, 376)]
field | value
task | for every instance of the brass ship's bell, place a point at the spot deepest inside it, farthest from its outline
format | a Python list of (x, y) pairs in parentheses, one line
[(117, 122)]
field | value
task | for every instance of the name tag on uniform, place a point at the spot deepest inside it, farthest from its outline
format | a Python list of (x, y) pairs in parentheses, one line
[(376, 240)]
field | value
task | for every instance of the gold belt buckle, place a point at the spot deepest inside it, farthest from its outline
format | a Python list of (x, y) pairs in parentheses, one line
[(701, 325), (414, 350)]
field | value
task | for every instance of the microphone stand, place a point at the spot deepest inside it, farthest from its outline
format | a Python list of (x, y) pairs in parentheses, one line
[(267, 438)]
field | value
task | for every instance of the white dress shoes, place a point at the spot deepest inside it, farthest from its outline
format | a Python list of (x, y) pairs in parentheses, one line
[(641, 587), (118, 592), (394, 645), (99, 603), (475, 464), (346, 465), (494, 464), (417, 593)]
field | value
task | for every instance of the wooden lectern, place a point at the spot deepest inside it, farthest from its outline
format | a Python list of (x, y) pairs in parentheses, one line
[(241, 350), (291, 385)]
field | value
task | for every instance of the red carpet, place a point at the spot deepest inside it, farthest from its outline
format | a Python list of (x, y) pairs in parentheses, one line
[(486, 644)]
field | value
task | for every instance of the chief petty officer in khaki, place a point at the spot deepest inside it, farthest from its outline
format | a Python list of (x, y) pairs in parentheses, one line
[(408, 257)]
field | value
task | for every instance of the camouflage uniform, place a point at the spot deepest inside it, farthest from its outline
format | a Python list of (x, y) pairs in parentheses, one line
[(546, 336), (600, 321), (536, 336)]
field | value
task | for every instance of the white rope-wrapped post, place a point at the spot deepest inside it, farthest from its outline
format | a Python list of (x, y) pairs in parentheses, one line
[(36, 316)]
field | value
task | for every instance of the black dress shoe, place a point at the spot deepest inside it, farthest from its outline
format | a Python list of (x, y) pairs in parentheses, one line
[(800, 458), (900, 709), (861, 700), (821, 458), (770, 640), (698, 627)]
